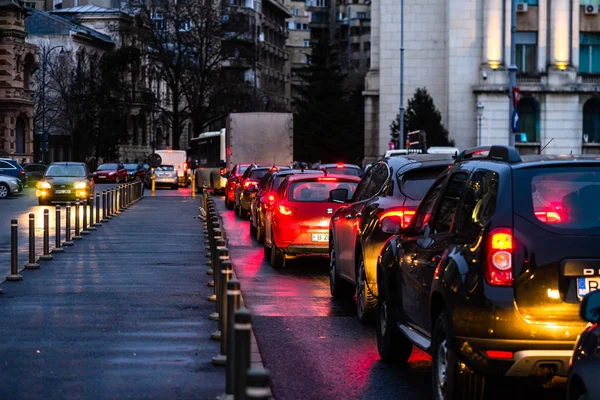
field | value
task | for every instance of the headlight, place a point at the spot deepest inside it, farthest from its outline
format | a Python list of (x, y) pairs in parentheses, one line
[(44, 185), (80, 185)]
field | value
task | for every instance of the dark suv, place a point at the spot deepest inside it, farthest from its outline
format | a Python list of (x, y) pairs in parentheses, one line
[(488, 276), (13, 168)]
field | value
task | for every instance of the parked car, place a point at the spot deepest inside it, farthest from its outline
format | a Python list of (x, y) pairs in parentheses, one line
[(135, 172), (341, 169), (111, 172), (9, 185), (266, 196), (233, 179), (65, 181), (489, 275), (246, 189), (165, 175), (393, 186), (13, 168), (34, 172), (298, 223), (585, 364)]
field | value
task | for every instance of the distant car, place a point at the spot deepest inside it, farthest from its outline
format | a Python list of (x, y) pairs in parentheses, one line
[(165, 175), (298, 223), (135, 172), (34, 172), (9, 185), (233, 178), (266, 197), (111, 172), (342, 169), (13, 168), (585, 364), (64, 181)]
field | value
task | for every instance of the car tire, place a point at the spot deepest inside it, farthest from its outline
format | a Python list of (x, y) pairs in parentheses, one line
[(277, 257), (174, 187), (252, 230), (392, 346), (243, 213), (117, 180), (4, 191), (338, 287), (365, 301), (228, 204), (267, 252), (451, 380), (260, 231)]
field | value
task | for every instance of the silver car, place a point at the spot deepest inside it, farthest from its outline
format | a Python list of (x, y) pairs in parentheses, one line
[(166, 175), (8, 186)]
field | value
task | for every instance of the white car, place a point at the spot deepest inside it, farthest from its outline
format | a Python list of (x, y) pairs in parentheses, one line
[(8, 186)]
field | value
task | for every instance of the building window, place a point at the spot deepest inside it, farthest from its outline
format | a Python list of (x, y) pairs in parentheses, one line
[(591, 121), (361, 15), (526, 52), (20, 134), (308, 59), (306, 43), (589, 53), (529, 120), (530, 2)]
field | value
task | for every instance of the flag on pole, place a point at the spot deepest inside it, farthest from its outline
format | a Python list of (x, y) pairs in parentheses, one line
[(516, 96)]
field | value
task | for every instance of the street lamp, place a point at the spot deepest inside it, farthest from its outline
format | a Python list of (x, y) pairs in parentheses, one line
[(512, 71), (401, 113), (45, 56), (480, 108)]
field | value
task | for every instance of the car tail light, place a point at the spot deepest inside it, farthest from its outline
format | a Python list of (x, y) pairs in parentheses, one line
[(184, 165), (287, 211), (274, 168), (327, 179), (499, 354), (22, 172), (340, 166), (550, 217), (498, 270), (404, 215), (247, 184)]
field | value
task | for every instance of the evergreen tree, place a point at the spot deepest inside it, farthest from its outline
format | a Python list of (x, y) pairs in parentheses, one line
[(422, 114), (327, 123)]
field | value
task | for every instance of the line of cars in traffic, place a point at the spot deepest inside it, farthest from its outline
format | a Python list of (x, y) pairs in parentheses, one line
[(485, 260)]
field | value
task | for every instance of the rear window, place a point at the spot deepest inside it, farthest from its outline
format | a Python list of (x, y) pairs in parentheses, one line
[(242, 169), (318, 191), (258, 173), (166, 168), (564, 198), (107, 166), (344, 171), (415, 184)]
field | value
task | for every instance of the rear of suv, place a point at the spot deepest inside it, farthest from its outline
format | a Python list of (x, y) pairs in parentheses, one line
[(488, 276), (13, 168)]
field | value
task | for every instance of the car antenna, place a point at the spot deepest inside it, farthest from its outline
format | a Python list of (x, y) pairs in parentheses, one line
[(542, 149)]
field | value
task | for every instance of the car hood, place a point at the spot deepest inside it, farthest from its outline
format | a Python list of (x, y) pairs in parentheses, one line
[(66, 180)]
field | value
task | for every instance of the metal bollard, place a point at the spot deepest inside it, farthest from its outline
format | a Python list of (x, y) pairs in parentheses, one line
[(215, 263), (77, 235), (126, 192), (242, 331), (258, 384), (226, 271), (14, 253), (109, 199), (114, 202), (57, 233), (32, 264), (233, 304), (122, 198), (84, 230), (104, 201), (97, 204), (46, 256), (222, 254), (68, 241), (92, 203), (193, 184)]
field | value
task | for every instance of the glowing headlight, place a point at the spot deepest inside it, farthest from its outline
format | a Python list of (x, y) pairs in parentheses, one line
[(80, 185), (44, 185)]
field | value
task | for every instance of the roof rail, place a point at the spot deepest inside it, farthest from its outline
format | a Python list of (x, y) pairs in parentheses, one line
[(499, 153)]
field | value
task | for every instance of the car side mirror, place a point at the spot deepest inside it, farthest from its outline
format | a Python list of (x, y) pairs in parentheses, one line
[(338, 196), (590, 307), (391, 225)]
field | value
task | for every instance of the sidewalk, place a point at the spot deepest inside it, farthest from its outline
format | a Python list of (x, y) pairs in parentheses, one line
[(122, 314)]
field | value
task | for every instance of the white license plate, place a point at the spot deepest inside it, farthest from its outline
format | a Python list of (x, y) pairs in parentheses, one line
[(101, 177), (320, 237), (586, 285), (63, 191)]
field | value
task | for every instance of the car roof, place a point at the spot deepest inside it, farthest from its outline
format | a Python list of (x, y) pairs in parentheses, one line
[(302, 177), (398, 163), (334, 165), (298, 172), (67, 163), (422, 158)]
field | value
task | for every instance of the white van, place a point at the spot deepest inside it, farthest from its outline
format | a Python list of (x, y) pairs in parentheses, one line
[(178, 159)]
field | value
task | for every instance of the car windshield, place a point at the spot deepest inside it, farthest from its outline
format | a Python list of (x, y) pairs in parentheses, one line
[(564, 198), (107, 166), (317, 191), (343, 171), (65, 171), (415, 184), (166, 168), (131, 167)]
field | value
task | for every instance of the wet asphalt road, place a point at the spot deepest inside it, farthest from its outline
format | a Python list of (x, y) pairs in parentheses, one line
[(314, 346)]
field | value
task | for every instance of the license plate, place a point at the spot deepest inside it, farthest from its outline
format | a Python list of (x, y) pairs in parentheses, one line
[(101, 177), (63, 191), (586, 285), (320, 237)]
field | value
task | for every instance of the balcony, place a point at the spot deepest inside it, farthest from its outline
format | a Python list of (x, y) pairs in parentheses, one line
[(528, 78), (593, 79)]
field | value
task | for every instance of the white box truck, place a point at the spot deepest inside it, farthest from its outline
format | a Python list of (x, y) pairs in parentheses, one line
[(257, 137)]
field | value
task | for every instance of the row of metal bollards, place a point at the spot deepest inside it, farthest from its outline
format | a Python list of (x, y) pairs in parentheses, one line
[(114, 201), (234, 329)]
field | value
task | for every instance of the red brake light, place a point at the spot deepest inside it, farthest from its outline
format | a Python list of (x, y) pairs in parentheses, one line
[(184, 165), (499, 354), (498, 270), (22, 172), (274, 168), (287, 211), (340, 166), (247, 184), (327, 179), (404, 215), (550, 217), (271, 198)]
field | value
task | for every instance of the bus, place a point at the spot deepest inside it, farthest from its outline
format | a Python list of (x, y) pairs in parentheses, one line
[(209, 153)]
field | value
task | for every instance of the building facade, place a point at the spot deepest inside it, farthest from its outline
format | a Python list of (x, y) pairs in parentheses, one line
[(19, 59), (460, 51), (353, 32)]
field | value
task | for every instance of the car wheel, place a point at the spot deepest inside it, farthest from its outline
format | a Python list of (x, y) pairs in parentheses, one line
[(243, 213), (260, 235), (365, 301), (338, 287), (277, 257), (4, 191), (392, 346), (175, 187), (117, 180), (228, 204), (451, 379), (267, 252), (252, 230)]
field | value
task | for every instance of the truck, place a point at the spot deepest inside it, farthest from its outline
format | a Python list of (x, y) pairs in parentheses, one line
[(254, 137), (178, 159)]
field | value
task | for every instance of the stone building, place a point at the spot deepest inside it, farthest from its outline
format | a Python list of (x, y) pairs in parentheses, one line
[(460, 51), (353, 31), (18, 60)]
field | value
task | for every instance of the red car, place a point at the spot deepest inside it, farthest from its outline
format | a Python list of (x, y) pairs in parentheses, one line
[(297, 224), (233, 179), (113, 172)]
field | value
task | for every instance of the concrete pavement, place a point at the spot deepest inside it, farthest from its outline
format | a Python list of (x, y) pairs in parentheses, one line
[(122, 314)]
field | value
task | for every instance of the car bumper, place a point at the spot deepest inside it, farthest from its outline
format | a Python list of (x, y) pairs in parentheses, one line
[(302, 243), (14, 187), (306, 250), (166, 181), (105, 178)]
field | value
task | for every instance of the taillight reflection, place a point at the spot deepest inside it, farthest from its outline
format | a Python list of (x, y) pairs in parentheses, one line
[(247, 184), (405, 216), (499, 257)]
